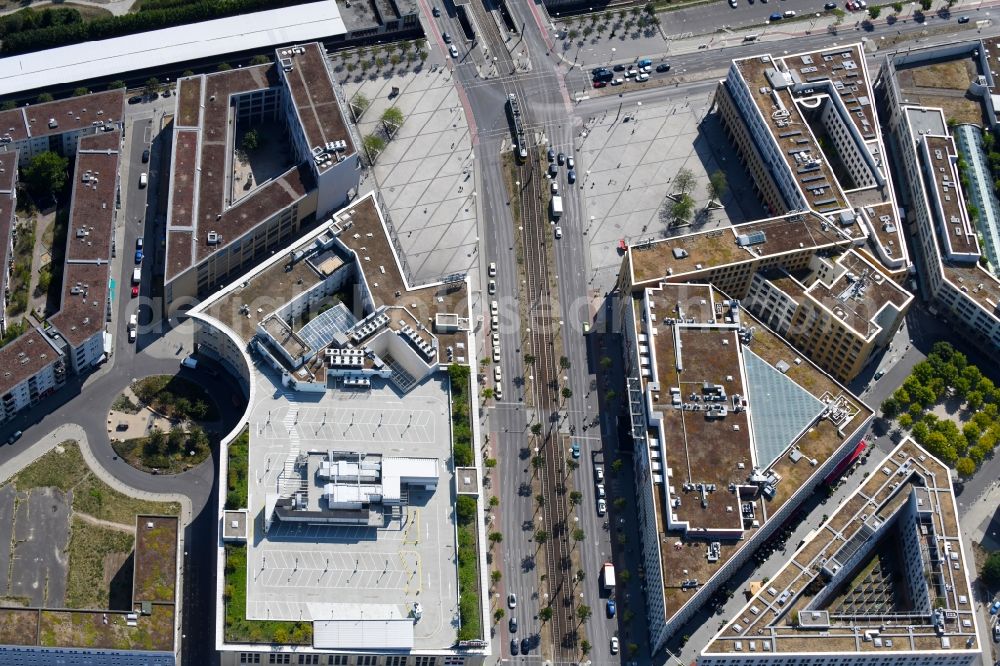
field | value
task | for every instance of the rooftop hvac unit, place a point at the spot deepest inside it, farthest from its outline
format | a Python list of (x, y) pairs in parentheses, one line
[(214, 238)]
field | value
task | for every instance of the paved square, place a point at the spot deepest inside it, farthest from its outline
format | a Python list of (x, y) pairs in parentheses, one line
[(426, 172), (629, 166), (317, 572)]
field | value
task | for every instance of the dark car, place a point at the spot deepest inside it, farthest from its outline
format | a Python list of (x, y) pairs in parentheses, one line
[(830, 6), (571, 176), (435, 11), (446, 37), (963, 19), (775, 16), (600, 84), (551, 155), (513, 648), (525, 645), (135, 99), (512, 625), (13, 438), (663, 67), (145, 155), (599, 70), (553, 169), (619, 68), (138, 256), (611, 608), (561, 158)]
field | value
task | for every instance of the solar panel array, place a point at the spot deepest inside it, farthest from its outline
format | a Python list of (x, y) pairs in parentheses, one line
[(319, 332)]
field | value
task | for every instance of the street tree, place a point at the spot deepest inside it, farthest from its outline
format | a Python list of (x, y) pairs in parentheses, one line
[(541, 536), (717, 185), (583, 612), (46, 174), (683, 180), (681, 209)]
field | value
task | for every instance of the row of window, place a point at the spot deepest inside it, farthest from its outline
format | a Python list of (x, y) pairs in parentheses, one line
[(345, 660)]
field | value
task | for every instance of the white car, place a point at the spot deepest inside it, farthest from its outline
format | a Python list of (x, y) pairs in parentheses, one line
[(570, 163), (494, 308), (602, 506), (614, 645), (599, 473), (492, 287), (496, 339), (555, 187), (498, 392), (647, 69), (558, 232), (494, 322), (453, 51), (617, 82), (632, 72), (732, 3), (493, 269), (642, 77), (512, 601), (496, 354), (497, 376), (600, 490)]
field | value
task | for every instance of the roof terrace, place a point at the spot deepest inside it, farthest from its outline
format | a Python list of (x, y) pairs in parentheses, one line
[(959, 235)]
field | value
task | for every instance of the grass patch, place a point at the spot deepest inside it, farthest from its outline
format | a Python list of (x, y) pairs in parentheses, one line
[(169, 453), (87, 585), (469, 605), (124, 404), (238, 470), (21, 275), (176, 397), (66, 470), (460, 425), (14, 330), (238, 629)]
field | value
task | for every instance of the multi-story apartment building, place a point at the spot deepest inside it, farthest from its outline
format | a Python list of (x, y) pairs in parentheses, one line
[(883, 581), (8, 223), (349, 438), (58, 125), (74, 338), (32, 368), (952, 275), (220, 222)]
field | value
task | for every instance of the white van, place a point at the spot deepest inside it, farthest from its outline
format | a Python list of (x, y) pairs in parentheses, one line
[(189, 362), (143, 179), (136, 275)]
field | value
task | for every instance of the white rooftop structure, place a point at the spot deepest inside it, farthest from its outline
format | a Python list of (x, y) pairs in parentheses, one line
[(156, 48), (364, 634)]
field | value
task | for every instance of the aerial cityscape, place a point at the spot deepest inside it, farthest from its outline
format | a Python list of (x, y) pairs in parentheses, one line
[(466, 332)]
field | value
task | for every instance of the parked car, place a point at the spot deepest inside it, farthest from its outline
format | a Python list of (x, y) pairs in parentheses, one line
[(138, 256), (617, 82), (575, 448), (435, 11), (16, 435), (558, 232), (551, 155), (135, 99), (732, 3), (554, 168), (642, 77), (644, 62), (619, 68), (493, 269), (602, 507), (446, 37), (570, 163), (879, 375), (513, 647), (512, 625), (963, 19), (492, 287), (561, 158), (776, 16), (995, 608), (135, 290), (145, 156), (611, 608), (453, 51), (663, 67), (614, 645), (600, 84), (830, 6), (571, 176)]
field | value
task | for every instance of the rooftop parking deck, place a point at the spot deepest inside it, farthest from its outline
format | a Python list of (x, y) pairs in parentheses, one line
[(331, 572), (64, 115), (710, 249), (792, 616)]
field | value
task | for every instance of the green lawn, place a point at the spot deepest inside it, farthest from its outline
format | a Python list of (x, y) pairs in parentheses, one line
[(239, 461), (469, 604), (241, 630), (86, 584), (460, 424)]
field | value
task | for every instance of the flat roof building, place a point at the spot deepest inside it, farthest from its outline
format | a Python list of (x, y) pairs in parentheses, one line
[(351, 530), (143, 635), (952, 275), (732, 428), (220, 221), (884, 580), (8, 224), (805, 127), (58, 126)]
